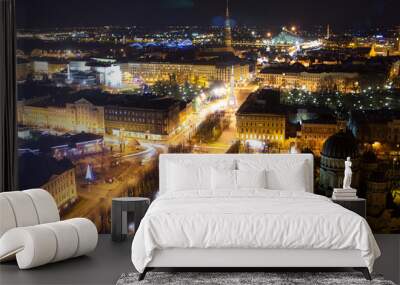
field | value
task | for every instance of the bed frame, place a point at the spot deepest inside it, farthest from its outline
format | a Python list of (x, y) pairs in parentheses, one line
[(250, 259), (237, 259)]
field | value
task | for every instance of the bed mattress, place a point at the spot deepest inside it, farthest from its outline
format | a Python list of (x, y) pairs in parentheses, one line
[(250, 219)]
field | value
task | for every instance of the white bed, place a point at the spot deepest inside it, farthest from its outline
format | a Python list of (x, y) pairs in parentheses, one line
[(248, 227)]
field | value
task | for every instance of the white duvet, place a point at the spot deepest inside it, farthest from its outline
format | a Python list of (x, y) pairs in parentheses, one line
[(250, 219)]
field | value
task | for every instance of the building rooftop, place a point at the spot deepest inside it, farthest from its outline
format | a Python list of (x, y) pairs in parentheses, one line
[(365, 67), (203, 58), (44, 143), (36, 170), (100, 98), (266, 101), (27, 91)]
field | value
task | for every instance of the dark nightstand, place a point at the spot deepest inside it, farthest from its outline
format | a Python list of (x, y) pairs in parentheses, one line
[(358, 205), (122, 210)]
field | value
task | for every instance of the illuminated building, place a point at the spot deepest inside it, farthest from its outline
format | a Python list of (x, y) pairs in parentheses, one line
[(46, 67), (88, 118), (259, 118), (63, 188), (49, 113), (328, 32), (56, 176), (398, 40), (196, 73), (185, 113), (62, 146), (58, 54), (228, 30), (83, 74), (109, 73), (310, 81), (379, 50), (314, 133), (79, 65), (286, 39), (76, 78), (142, 117), (395, 70)]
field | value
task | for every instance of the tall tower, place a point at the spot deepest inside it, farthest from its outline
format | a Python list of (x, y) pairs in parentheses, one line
[(328, 32), (228, 29), (398, 39)]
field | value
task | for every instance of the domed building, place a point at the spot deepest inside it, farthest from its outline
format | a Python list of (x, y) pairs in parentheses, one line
[(334, 152)]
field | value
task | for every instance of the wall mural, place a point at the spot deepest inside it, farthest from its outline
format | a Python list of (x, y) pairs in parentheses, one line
[(97, 105)]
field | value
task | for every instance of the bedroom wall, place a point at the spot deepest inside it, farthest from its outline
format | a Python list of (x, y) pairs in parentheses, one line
[(90, 130)]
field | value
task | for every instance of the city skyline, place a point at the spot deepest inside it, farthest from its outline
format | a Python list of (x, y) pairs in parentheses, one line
[(354, 14), (100, 101)]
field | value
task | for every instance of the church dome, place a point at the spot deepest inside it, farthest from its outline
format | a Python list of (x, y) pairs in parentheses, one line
[(341, 145)]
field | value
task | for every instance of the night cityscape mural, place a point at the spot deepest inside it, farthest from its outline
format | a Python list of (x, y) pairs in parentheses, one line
[(105, 87)]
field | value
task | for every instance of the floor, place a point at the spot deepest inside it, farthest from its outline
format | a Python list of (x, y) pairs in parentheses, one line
[(110, 260), (104, 266)]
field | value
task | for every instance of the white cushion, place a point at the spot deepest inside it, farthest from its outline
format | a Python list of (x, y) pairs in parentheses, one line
[(291, 179), (251, 178), (182, 177), (289, 175), (223, 179), (170, 174)]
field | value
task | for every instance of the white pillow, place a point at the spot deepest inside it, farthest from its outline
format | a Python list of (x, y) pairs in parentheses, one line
[(223, 179), (181, 177), (290, 179), (251, 178)]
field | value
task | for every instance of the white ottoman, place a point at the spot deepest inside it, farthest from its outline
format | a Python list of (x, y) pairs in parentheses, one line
[(34, 244)]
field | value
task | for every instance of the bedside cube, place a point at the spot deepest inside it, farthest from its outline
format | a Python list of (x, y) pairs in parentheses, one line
[(120, 209), (358, 205)]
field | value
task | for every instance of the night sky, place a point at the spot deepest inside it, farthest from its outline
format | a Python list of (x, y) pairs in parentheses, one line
[(305, 13)]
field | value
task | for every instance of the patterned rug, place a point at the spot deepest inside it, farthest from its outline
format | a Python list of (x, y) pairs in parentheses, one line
[(244, 278)]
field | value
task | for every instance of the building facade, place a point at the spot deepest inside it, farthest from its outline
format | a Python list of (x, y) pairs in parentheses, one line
[(196, 73), (63, 188), (80, 116), (262, 127), (142, 123), (313, 134), (260, 118), (313, 82)]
